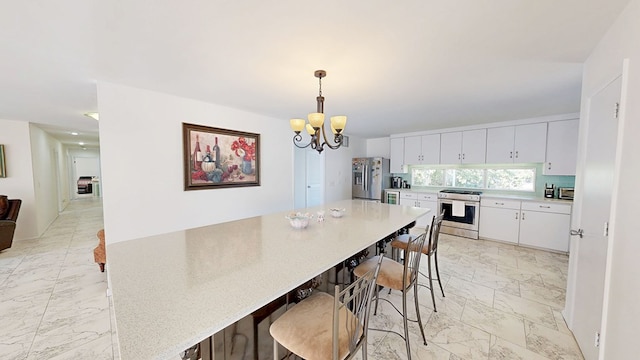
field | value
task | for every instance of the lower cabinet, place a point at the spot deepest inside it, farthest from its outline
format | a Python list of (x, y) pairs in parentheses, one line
[(500, 220), (545, 225), (542, 225), (421, 200)]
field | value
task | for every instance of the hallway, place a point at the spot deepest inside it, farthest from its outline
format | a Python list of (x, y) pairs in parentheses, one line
[(53, 301)]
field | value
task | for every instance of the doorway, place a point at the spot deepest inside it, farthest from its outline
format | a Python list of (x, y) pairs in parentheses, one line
[(308, 173), (589, 253), (83, 166)]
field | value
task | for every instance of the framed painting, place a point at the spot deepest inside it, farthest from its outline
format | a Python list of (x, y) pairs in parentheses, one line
[(3, 165), (218, 158)]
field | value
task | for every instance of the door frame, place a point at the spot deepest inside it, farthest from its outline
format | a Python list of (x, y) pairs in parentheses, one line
[(300, 174)]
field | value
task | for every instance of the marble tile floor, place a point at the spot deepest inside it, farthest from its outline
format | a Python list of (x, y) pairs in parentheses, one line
[(502, 302)]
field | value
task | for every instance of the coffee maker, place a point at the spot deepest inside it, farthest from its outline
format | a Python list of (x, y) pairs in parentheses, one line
[(549, 190), (396, 182)]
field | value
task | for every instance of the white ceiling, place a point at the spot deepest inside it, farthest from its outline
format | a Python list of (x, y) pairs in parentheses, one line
[(392, 66)]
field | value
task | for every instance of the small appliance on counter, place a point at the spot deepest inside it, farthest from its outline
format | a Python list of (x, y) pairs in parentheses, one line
[(549, 191), (396, 182), (565, 193), (406, 185)]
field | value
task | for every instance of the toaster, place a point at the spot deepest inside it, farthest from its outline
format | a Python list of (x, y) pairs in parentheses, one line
[(565, 193)]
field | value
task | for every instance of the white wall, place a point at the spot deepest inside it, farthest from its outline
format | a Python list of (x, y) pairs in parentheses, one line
[(18, 184), (621, 319), (378, 147), (44, 149), (142, 164), (338, 169)]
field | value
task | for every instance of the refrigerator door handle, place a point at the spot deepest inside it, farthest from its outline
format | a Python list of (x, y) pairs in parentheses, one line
[(365, 177)]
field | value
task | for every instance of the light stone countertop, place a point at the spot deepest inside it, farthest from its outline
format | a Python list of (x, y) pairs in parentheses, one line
[(174, 290), (525, 198), (491, 195)]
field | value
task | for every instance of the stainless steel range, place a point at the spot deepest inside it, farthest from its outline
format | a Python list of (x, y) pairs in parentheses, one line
[(461, 212)]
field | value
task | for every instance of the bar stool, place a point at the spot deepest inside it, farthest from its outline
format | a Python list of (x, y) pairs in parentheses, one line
[(401, 277), (294, 296), (324, 327), (430, 249)]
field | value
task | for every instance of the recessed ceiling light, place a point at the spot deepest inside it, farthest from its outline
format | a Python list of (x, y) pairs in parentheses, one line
[(80, 143), (74, 133), (93, 115)]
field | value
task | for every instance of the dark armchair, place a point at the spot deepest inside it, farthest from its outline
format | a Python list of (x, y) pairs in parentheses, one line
[(8, 224)]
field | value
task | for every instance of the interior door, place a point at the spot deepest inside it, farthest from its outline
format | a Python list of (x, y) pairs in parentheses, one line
[(308, 178), (594, 212), (315, 178)]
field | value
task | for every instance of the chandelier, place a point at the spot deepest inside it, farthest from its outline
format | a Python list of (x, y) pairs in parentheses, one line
[(315, 126)]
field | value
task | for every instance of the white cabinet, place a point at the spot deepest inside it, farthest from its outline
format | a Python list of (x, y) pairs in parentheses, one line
[(423, 149), (562, 148), (545, 225), (463, 147), (517, 144), (396, 154), (500, 219), (421, 200)]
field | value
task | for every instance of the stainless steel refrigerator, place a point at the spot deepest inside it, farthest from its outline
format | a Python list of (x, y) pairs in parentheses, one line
[(370, 176)]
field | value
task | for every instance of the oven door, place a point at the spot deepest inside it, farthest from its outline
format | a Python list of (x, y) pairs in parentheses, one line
[(470, 219)]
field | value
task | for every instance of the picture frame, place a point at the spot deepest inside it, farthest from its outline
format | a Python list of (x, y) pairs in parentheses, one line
[(219, 158), (3, 164)]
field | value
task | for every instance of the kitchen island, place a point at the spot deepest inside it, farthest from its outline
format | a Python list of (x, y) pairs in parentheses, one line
[(174, 290)]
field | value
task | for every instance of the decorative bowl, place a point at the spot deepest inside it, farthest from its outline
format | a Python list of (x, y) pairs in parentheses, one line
[(337, 212), (299, 220)]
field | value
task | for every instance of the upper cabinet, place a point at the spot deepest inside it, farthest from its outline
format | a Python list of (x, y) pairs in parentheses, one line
[(562, 148), (463, 147), (396, 154), (517, 144), (423, 149), (554, 143)]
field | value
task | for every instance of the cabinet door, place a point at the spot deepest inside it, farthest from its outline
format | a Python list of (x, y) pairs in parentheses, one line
[(407, 202), (562, 148), (500, 145), (413, 150), (474, 146), (396, 153), (530, 143), (499, 224), (451, 148), (425, 221), (431, 149), (545, 230)]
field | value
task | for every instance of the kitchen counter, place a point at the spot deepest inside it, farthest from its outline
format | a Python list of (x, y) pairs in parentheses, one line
[(173, 290), (524, 198), (490, 195)]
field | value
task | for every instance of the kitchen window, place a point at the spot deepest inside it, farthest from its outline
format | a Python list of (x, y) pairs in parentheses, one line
[(513, 179)]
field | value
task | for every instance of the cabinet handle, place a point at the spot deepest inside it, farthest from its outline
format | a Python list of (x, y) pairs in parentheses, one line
[(516, 215), (463, 156), (497, 203), (510, 154), (516, 154), (459, 157), (545, 207), (549, 168), (523, 215)]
